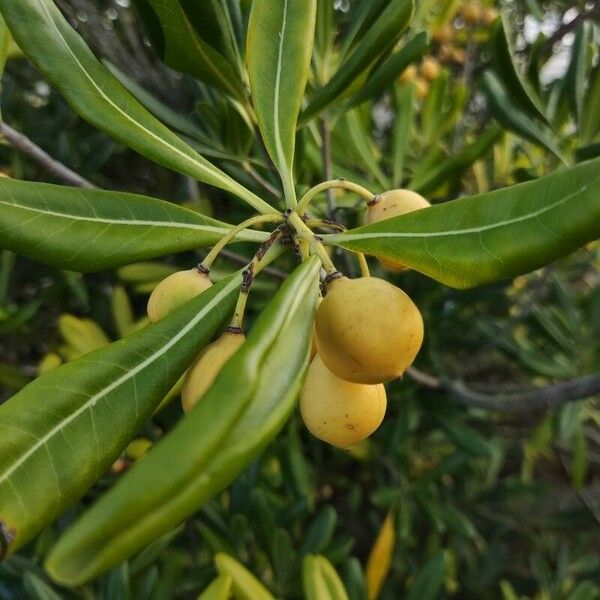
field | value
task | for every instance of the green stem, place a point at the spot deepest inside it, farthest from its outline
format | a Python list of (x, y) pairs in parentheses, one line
[(314, 243), (266, 254), (206, 264), (327, 185)]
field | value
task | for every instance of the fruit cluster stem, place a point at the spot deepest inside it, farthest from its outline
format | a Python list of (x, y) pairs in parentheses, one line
[(327, 185), (206, 264)]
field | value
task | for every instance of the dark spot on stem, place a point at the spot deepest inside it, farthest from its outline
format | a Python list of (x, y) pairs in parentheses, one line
[(202, 269), (236, 330), (375, 200)]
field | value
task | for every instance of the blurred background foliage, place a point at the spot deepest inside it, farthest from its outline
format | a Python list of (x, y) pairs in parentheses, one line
[(479, 503)]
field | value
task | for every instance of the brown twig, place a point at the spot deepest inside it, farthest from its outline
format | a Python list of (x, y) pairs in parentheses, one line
[(240, 259), (592, 14), (26, 146), (549, 396)]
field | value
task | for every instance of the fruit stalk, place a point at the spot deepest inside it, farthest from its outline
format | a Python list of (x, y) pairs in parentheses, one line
[(327, 185)]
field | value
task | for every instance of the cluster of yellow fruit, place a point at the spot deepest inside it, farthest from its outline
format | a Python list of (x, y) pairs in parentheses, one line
[(174, 291), (367, 332), (422, 76)]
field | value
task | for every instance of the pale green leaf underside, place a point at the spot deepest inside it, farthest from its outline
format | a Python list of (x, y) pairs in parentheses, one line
[(489, 237), (91, 230), (61, 432), (96, 95), (279, 48)]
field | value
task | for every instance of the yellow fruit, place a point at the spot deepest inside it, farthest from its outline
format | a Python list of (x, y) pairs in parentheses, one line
[(430, 68), (367, 330), (408, 74), (422, 87), (207, 366), (443, 34), (489, 15), (393, 204), (337, 411), (471, 13), (174, 291)]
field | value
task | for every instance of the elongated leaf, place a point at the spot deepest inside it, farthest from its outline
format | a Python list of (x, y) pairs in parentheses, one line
[(64, 59), (590, 123), (575, 76), (512, 117), (182, 49), (378, 40), (91, 230), (502, 54), (453, 167), (243, 410), (278, 50), (404, 122), (485, 238), (429, 580), (380, 79), (60, 433)]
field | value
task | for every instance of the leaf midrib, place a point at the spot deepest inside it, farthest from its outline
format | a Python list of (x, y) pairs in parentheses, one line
[(128, 222), (424, 234), (93, 400)]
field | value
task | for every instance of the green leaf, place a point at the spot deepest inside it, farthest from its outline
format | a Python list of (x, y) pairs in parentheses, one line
[(64, 59), (513, 118), (404, 122), (244, 584), (182, 49), (379, 39), (92, 230), (379, 80), (219, 589), (492, 236), (503, 54), (61, 432), (429, 579), (278, 53), (575, 75), (218, 439), (590, 123), (427, 181)]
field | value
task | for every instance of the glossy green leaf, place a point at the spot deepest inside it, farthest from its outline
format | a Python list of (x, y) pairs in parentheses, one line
[(512, 117), (182, 49), (91, 230), (320, 581), (378, 40), (5, 40), (218, 440), (278, 53), (502, 53), (391, 68), (61, 432), (488, 237), (428, 180), (65, 60)]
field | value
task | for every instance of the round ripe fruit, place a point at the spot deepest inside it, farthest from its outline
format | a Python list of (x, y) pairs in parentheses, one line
[(367, 330), (471, 13), (408, 74), (430, 68), (337, 411), (175, 290), (207, 366), (422, 87), (443, 34), (393, 204)]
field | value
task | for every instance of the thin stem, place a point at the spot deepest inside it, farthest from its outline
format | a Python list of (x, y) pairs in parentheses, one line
[(327, 170), (314, 242), (363, 264), (268, 251), (325, 224), (33, 151), (260, 179), (240, 259), (216, 249), (330, 184)]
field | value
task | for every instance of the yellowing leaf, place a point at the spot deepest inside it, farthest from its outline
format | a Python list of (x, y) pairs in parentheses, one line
[(380, 558)]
